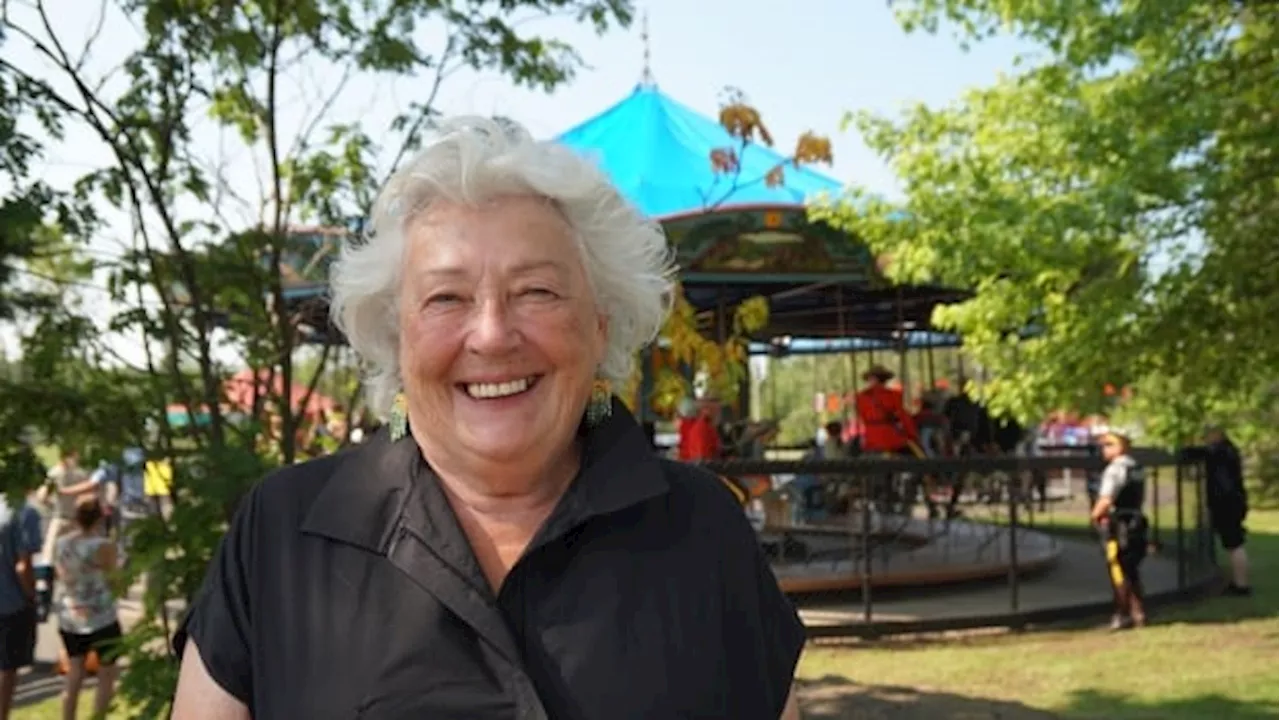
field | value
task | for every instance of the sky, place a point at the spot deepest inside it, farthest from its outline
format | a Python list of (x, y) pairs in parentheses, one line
[(802, 64)]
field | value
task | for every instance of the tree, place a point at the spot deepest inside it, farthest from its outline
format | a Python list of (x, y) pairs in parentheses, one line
[(33, 215), (1116, 200), (200, 280)]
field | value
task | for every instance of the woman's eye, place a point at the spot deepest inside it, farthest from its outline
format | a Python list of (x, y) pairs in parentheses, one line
[(540, 293), (444, 299)]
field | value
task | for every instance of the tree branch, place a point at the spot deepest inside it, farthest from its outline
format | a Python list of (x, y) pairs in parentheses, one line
[(413, 135), (133, 157)]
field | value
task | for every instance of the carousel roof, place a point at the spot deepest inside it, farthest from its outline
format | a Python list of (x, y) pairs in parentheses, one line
[(658, 152), (756, 239)]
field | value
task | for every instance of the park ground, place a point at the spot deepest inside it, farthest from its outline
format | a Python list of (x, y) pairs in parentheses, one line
[(1216, 658), (1213, 659)]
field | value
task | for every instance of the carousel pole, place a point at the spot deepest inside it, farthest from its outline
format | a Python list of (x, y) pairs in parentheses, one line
[(772, 377), (721, 330), (922, 371), (928, 356), (815, 386), (902, 346), (853, 366), (842, 329)]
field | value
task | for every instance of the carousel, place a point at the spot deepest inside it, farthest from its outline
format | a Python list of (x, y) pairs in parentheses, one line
[(737, 239)]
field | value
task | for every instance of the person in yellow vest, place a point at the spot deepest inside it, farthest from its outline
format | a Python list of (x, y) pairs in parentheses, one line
[(157, 485), (1122, 527)]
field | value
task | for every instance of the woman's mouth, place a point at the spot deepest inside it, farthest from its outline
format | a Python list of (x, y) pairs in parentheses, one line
[(497, 390)]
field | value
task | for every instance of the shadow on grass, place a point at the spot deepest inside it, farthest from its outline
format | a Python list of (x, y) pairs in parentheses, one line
[(1095, 704), (836, 698)]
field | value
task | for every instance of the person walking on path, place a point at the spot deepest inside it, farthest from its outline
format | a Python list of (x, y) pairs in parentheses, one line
[(19, 541), (1228, 504), (87, 618)]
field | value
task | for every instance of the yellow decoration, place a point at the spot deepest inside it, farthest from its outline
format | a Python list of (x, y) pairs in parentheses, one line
[(725, 364)]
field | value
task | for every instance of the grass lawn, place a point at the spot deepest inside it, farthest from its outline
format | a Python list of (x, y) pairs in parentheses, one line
[(1214, 660)]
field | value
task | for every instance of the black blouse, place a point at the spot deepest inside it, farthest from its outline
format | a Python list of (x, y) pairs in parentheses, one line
[(346, 589)]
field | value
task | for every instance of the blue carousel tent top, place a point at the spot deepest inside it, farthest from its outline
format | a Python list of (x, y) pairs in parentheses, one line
[(657, 151)]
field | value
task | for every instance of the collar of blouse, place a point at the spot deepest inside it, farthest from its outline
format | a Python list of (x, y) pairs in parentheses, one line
[(384, 488)]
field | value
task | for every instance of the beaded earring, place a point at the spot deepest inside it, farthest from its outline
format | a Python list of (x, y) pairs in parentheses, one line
[(399, 420), (600, 407)]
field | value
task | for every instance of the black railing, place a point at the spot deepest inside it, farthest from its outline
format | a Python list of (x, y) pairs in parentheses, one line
[(979, 518)]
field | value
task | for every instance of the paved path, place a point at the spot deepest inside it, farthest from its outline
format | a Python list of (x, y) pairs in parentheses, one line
[(41, 682)]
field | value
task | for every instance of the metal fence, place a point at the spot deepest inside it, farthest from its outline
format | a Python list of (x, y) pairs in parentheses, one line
[(874, 526)]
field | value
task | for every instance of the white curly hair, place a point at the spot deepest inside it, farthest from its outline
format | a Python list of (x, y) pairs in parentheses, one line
[(626, 256)]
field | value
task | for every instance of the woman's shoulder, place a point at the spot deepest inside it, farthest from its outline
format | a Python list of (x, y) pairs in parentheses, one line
[(705, 497), (290, 490), (695, 483)]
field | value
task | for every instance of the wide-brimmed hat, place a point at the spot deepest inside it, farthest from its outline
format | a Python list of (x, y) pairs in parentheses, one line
[(880, 372)]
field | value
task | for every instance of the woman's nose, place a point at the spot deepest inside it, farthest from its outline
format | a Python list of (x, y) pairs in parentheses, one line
[(494, 329)]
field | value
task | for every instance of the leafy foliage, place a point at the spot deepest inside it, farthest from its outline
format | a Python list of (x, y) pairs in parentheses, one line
[(199, 286), (1118, 197)]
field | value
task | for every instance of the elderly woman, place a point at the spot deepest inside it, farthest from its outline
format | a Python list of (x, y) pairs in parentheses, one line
[(508, 547)]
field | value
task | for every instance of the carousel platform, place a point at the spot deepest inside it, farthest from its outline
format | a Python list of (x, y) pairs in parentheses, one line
[(1071, 583), (901, 552)]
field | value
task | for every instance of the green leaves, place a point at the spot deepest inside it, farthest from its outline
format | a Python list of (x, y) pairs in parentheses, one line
[(227, 146), (1120, 193)]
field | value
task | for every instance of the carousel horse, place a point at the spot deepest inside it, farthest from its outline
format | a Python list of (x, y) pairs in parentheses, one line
[(747, 441), (973, 432), (967, 434)]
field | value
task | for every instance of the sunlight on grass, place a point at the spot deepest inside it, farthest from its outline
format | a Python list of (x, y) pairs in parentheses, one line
[(51, 709)]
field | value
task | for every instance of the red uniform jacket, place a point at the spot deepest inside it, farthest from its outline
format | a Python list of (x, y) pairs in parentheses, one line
[(886, 425), (698, 439)]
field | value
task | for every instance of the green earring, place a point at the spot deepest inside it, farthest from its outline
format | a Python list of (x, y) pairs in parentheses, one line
[(600, 407), (399, 420)]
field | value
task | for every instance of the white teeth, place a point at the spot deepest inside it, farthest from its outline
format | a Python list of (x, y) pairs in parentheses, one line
[(498, 390)]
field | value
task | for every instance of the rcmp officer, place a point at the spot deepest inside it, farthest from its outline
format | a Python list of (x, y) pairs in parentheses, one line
[(888, 429), (1122, 526)]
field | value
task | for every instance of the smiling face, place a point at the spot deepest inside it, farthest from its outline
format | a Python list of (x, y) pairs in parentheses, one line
[(500, 336)]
